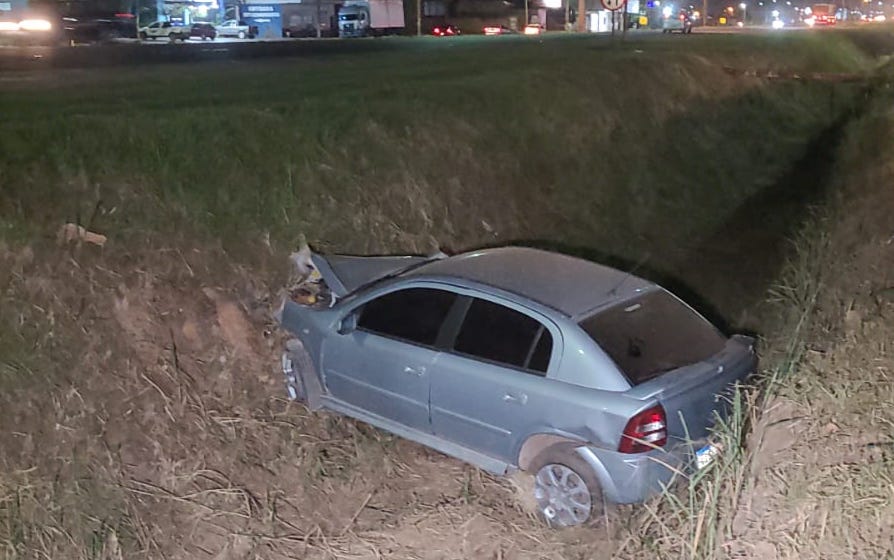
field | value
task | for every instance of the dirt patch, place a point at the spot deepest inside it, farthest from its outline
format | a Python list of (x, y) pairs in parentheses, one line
[(163, 432)]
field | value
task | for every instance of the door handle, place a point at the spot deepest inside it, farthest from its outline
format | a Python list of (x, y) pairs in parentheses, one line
[(520, 398), (418, 372)]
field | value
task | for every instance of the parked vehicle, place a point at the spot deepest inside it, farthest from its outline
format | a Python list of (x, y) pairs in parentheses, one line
[(202, 31), (599, 383), (499, 30), (448, 30), (93, 21), (681, 22), (165, 30), (534, 29), (822, 14), (238, 29), (364, 18)]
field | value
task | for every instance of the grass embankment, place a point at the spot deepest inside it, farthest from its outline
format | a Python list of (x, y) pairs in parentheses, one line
[(139, 401), (811, 469)]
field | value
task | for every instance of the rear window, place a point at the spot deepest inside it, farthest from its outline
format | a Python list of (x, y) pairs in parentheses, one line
[(652, 334)]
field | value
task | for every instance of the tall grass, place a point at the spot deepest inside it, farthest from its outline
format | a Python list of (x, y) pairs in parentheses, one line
[(647, 144), (694, 519)]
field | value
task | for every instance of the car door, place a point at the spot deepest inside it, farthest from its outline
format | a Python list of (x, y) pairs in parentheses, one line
[(490, 387), (382, 365)]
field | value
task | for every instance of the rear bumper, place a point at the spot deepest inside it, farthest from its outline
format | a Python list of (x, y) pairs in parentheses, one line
[(631, 479)]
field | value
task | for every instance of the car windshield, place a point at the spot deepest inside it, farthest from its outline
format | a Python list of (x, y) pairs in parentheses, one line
[(348, 17), (652, 334)]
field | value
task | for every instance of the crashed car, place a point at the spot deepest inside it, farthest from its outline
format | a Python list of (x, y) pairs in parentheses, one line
[(599, 383)]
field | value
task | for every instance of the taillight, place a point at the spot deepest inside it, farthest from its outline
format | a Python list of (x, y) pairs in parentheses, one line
[(645, 431)]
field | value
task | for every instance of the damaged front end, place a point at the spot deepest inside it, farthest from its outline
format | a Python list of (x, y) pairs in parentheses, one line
[(309, 309)]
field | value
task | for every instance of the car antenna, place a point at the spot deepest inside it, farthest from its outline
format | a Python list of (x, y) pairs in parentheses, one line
[(629, 273)]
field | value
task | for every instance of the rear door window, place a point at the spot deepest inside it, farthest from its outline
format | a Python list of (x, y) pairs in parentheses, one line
[(413, 315), (652, 334), (496, 333)]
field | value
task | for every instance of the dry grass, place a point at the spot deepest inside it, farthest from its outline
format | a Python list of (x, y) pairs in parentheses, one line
[(823, 479), (173, 440), (812, 475)]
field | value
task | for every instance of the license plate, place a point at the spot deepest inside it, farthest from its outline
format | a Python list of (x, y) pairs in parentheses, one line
[(706, 455)]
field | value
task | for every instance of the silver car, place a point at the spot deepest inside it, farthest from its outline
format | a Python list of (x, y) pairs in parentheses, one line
[(597, 382)]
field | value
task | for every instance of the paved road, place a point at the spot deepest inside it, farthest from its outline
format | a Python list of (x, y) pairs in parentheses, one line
[(132, 54), (155, 52)]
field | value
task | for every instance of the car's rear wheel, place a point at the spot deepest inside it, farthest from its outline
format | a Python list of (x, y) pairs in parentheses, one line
[(241, 35), (566, 488), (143, 35)]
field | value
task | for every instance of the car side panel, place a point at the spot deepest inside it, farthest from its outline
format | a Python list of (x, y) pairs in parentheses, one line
[(385, 377), (589, 415), (484, 406)]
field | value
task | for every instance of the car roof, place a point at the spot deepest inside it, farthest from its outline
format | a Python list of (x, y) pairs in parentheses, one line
[(570, 285)]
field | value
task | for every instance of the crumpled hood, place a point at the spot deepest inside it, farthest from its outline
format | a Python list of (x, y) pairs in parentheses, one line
[(344, 274)]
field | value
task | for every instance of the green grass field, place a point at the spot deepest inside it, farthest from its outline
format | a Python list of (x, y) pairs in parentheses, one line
[(565, 139)]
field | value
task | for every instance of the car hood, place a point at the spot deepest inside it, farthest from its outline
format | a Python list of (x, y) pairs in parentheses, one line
[(346, 273)]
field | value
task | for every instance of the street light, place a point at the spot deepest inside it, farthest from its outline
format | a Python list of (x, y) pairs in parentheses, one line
[(743, 7)]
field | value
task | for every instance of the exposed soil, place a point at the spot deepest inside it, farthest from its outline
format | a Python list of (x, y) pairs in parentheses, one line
[(178, 443)]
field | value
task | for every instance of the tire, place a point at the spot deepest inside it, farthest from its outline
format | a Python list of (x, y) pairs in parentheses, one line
[(143, 35), (295, 364), (560, 474), (172, 37), (241, 35)]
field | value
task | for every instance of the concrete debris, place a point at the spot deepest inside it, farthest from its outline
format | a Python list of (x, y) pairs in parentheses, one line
[(73, 232)]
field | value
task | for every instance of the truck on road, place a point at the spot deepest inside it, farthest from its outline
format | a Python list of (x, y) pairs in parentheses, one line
[(822, 14), (365, 18)]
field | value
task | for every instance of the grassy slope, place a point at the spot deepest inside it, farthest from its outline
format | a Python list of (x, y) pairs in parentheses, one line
[(392, 150), (821, 481), (809, 472), (142, 420)]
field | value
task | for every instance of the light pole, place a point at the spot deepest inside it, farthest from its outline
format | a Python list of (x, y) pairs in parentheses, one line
[(744, 8)]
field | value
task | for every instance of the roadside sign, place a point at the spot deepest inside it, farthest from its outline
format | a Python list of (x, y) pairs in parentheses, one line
[(613, 5)]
